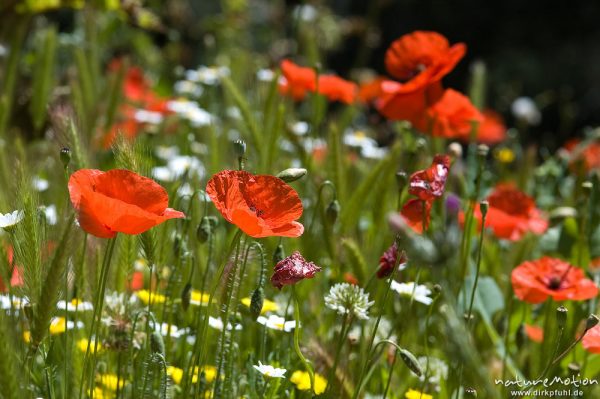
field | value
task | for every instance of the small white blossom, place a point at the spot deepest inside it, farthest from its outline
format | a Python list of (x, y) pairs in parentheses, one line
[(524, 108), (300, 128), (217, 324), (265, 75), (210, 76), (275, 322), (269, 371), (438, 370), (173, 331), (191, 111), (349, 299), (11, 219), (166, 152), (40, 184), (150, 117), (419, 293), (185, 87), (75, 305), (177, 166), (50, 213)]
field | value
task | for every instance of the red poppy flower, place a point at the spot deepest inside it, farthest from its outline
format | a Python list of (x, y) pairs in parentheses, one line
[(452, 116), (535, 333), (260, 205), (591, 340), (337, 89), (350, 278), (535, 281), (396, 103), (293, 269), (388, 260), (414, 212), (136, 282), (421, 58), (588, 153), (371, 89), (511, 214), (118, 201), (429, 184), (492, 129), (300, 80)]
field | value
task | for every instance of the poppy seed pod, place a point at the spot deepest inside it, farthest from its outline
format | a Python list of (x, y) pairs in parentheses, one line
[(256, 303), (470, 393), (587, 187), (205, 228), (291, 174), (239, 146), (561, 316), (65, 156), (401, 179), (484, 206), (186, 296), (157, 345), (411, 362), (332, 211), (482, 150)]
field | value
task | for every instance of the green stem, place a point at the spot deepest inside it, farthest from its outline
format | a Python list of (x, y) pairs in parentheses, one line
[(297, 331), (340, 345)]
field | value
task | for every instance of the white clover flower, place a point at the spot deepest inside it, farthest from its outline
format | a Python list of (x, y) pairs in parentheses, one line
[(419, 293), (217, 324), (186, 87), (524, 108), (75, 305), (265, 75), (11, 219), (269, 371), (40, 184), (349, 299), (275, 322), (149, 117)]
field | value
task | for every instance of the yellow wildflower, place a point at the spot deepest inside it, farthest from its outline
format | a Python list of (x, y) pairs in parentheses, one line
[(110, 381), (505, 155), (83, 343), (27, 336), (302, 381), (210, 373), (199, 298), (144, 296), (100, 393), (58, 325), (414, 394), (268, 306)]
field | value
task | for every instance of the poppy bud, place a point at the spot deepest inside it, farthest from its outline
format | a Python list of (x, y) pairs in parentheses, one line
[(420, 144), (239, 146), (482, 150), (279, 254), (437, 289), (205, 228), (587, 187), (561, 316), (470, 393), (256, 303), (574, 367), (332, 211), (65, 156), (401, 179), (411, 362), (591, 322), (483, 207), (291, 174), (186, 296), (157, 345)]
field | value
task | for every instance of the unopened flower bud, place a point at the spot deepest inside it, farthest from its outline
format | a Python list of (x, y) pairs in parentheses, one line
[(420, 144), (437, 289), (157, 345), (561, 316), (332, 211), (279, 254), (256, 303), (291, 174), (470, 393), (482, 150), (239, 146), (101, 367), (401, 179), (591, 322), (205, 228), (574, 367), (483, 207), (411, 362), (587, 187), (186, 296), (65, 156)]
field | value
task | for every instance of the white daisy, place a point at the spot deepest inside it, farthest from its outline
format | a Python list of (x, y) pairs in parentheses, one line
[(207, 75), (217, 324), (419, 293), (275, 322), (265, 75), (150, 117), (40, 184), (75, 305), (11, 219), (269, 371), (50, 213), (185, 87)]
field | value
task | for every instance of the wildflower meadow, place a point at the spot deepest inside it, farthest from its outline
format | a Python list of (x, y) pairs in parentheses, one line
[(196, 203)]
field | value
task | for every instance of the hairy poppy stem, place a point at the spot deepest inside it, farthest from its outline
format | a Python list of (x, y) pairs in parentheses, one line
[(98, 304), (306, 363), (375, 327), (484, 207)]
